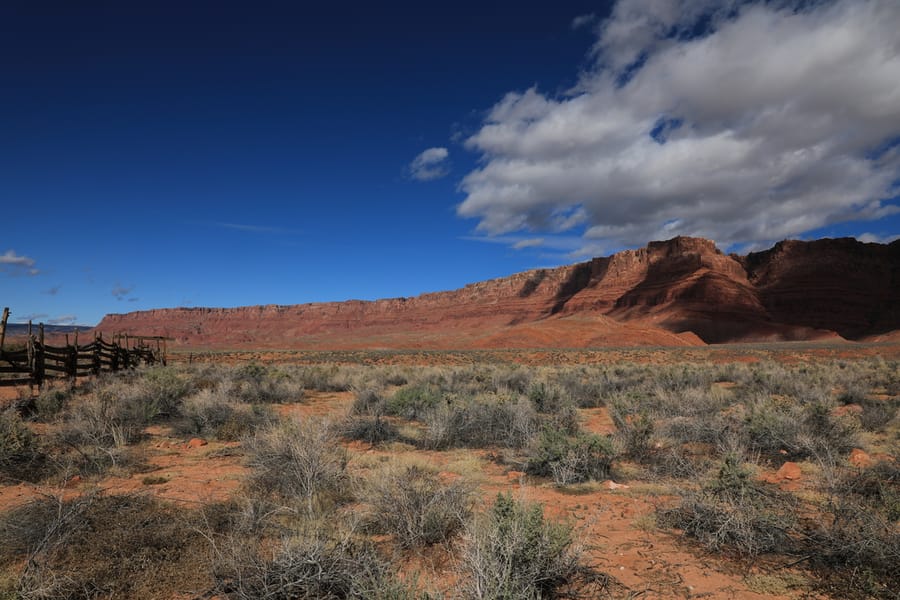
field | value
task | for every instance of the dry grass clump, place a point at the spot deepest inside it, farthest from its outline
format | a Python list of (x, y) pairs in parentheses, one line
[(417, 508), (481, 422), (776, 426), (216, 413), (254, 384), (313, 564), (372, 430), (102, 546), (299, 459), (323, 378), (19, 449), (732, 512)]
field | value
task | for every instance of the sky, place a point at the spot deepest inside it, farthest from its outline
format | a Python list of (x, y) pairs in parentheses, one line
[(164, 154)]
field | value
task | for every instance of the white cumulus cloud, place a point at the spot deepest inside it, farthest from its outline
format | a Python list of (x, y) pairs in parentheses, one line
[(430, 164), (740, 122)]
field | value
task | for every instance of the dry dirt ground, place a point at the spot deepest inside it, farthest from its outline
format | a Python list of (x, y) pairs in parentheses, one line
[(615, 522)]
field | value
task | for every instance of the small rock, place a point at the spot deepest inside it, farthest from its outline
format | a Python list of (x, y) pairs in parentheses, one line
[(789, 471), (860, 458), (612, 485), (196, 443)]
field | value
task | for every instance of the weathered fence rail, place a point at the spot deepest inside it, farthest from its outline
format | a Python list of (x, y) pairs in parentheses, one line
[(39, 361)]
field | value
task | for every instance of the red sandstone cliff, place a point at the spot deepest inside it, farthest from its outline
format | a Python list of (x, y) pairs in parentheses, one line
[(676, 292)]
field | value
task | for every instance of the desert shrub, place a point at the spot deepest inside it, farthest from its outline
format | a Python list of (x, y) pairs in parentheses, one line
[(877, 414), (313, 565), (635, 431), (106, 546), (705, 429), (581, 390), (212, 413), (481, 423), (18, 447), (513, 552), (570, 458), (675, 461), (322, 378), (801, 430), (50, 402), (299, 459), (855, 549), (161, 388), (512, 380), (254, 383), (732, 512), (372, 430), (417, 508), (112, 416), (368, 401), (546, 398), (877, 487), (413, 401)]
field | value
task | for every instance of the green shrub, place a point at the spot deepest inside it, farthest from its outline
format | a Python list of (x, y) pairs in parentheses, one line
[(413, 401)]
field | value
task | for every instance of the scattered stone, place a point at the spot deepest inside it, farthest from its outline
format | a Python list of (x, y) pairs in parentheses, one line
[(196, 443), (612, 485), (789, 471)]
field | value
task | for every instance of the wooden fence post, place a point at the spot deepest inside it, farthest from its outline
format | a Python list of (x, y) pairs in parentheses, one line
[(30, 349), (3, 328), (96, 366), (38, 372)]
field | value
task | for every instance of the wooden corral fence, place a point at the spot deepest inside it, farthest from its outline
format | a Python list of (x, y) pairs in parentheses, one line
[(39, 361)]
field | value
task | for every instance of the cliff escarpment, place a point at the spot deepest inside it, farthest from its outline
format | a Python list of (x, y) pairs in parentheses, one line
[(683, 291)]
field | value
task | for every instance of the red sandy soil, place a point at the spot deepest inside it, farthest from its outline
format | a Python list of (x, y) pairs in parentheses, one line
[(615, 525)]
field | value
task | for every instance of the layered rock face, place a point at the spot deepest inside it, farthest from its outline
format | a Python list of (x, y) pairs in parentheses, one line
[(676, 292)]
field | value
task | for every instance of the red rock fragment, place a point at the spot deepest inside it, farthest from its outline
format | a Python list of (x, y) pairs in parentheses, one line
[(860, 458), (789, 471)]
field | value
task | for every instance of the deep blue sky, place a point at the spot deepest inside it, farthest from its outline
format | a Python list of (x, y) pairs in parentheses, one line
[(160, 154)]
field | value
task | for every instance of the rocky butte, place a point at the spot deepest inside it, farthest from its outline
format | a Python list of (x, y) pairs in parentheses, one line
[(682, 291)]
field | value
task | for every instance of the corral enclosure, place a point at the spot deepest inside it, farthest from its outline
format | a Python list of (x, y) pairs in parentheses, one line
[(32, 360), (748, 472)]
